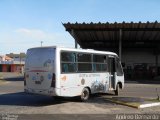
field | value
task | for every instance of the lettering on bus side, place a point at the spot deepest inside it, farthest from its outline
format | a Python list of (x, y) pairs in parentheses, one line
[(89, 75)]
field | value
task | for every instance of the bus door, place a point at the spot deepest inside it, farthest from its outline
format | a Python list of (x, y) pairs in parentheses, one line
[(112, 71)]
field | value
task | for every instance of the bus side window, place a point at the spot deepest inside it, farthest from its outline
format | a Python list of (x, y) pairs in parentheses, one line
[(73, 57), (94, 67), (65, 67), (119, 69), (68, 57), (68, 62), (84, 62), (100, 63)]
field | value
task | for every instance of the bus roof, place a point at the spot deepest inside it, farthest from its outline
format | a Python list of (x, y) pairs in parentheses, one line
[(78, 50)]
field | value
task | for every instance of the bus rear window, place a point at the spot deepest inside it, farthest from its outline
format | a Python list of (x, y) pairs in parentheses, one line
[(40, 57)]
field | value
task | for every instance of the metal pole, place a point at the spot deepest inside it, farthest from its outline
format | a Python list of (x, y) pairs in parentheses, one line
[(120, 44), (41, 43), (20, 63)]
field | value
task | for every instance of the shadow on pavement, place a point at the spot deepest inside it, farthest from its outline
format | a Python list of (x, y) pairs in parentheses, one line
[(143, 81), (11, 76), (19, 78), (25, 99), (100, 98)]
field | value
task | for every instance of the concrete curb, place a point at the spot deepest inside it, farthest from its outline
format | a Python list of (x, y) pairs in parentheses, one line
[(123, 103), (149, 105), (134, 104)]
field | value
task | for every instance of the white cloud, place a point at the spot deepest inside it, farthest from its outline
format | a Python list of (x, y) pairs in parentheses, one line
[(20, 40), (35, 34)]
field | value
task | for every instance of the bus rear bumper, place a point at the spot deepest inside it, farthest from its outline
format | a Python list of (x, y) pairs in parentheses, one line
[(48, 92)]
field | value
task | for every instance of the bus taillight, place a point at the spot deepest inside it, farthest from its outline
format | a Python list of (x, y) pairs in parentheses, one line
[(53, 80), (24, 79), (26, 76)]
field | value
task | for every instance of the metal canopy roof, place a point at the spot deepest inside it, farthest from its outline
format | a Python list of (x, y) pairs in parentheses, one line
[(106, 35)]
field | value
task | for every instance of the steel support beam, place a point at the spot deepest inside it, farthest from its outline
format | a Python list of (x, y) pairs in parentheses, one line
[(76, 44), (120, 44), (74, 36), (156, 64)]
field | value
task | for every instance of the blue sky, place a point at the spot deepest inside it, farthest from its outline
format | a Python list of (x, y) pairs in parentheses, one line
[(24, 23)]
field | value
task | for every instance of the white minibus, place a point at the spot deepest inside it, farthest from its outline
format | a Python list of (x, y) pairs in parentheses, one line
[(66, 72)]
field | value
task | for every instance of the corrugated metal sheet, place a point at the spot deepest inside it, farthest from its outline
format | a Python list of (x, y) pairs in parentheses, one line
[(106, 35)]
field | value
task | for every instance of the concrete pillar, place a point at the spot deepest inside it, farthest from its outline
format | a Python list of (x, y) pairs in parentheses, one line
[(120, 44)]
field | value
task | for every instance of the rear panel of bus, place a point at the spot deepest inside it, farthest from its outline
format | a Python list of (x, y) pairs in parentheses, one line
[(40, 71)]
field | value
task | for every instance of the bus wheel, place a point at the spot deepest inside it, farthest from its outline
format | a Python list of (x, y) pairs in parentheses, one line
[(117, 90), (85, 94), (57, 98)]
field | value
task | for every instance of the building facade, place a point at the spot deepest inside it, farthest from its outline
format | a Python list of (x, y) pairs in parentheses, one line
[(12, 62)]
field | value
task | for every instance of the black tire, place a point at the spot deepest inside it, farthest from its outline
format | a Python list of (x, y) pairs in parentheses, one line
[(57, 98), (85, 94), (117, 90)]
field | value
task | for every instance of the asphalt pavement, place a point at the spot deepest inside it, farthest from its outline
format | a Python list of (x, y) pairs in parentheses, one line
[(13, 101)]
